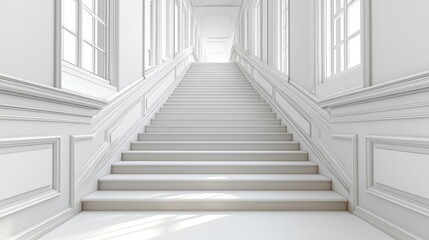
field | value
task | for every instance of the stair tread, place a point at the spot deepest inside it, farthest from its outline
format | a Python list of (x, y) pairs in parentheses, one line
[(215, 142), (236, 152), (229, 196), (214, 163), (215, 177)]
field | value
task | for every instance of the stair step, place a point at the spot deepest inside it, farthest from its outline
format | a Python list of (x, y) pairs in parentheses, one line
[(214, 182), (212, 167), (214, 89), (221, 92), (218, 101), (214, 201), (204, 122), (213, 115), (214, 109), (216, 145), (215, 84), (214, 156), (219, 80), (216, 129), (217, 105), (215, 95), (215, 137)]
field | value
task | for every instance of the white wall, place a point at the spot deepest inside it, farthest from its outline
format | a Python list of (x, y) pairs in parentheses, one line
[(371, 140), (400, 39), (130, 43), (301, 43), (55, 143), (27, 40)]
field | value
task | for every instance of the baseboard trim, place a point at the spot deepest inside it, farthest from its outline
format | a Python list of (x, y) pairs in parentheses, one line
[(47, 225), (386, 226)]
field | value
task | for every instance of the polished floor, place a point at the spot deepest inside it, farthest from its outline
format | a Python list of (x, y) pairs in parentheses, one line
[(217, 225)]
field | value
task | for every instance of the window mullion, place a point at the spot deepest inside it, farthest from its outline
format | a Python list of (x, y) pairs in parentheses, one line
[(79, 34), (346, 40), (332, 49)]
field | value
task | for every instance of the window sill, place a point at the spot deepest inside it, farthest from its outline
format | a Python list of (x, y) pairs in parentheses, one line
[(85, 83), (81, 73)]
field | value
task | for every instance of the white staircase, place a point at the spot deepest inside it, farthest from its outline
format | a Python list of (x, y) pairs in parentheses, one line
[(215, 145)]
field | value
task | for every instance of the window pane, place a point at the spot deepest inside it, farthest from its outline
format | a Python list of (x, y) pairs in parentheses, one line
[(101, 64), (164, 30), (338, 5), (69, 15), (257, 28), (176, 28), (328, 38), (339, 29), (87, 57), (69, 47), (88, 27), (353, 18), (89, 4), (354, 52), (101, 9), (148, 33), (339, 59), (101, 35)]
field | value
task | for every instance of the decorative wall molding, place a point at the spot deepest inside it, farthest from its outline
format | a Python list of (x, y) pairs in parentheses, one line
[(20, 87), (38, 230), (109, 120), (28, 101), (408, 85), (385, 225), (34, 196), (402, 198), (297, 129)]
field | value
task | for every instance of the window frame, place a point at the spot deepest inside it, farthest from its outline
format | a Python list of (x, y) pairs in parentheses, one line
[(257, 28), (80, 41), (348, 80), (150, 50)]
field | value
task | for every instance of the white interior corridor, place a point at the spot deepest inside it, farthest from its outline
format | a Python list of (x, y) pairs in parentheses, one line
[(214, 119)]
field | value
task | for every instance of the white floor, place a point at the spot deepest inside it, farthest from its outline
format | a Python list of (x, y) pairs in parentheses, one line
[(217, 225)]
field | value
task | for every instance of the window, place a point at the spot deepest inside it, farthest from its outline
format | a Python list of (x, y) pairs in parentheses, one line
[(282, 36), (148, 34), (164, 8), (176, 27), (188, 29), (245, 29), (257, 28), (342, 35), (84, 35)]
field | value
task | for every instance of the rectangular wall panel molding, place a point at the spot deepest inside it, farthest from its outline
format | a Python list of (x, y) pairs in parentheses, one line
[(397, 170), (29, 172)]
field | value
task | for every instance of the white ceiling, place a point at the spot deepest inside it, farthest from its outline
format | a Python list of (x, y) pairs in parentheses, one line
[(217, 19)]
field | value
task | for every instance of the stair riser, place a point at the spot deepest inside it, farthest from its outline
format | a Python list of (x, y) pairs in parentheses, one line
[(215, 84), (215, 95), (214, 115), (217, 129), (220, 92), (246, 205), (216, 105), (214, 89), (230, 102), (216, 146), (218, 81), (214, 156), (214, 170), (221, 110), (245, 185), (215, 137), (189, 122)]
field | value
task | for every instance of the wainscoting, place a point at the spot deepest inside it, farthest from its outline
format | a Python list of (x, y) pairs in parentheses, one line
[(55, 144)]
